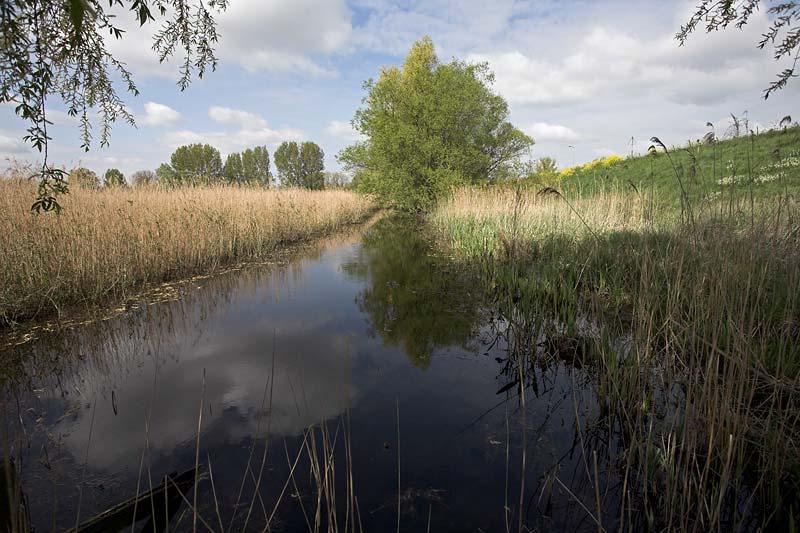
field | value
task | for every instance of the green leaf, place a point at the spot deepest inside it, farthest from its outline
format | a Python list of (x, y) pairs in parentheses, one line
[(77, 10), (144, 14)]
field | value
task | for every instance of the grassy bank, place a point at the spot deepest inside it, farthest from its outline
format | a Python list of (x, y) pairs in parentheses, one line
[(109, 242), (757, 165), (693, 328)]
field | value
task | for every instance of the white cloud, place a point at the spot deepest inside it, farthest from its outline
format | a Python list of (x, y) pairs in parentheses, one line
[(59, 117), (134, 48), (284, 35), (268, 136), (283, 61), (608, 62), (244, 119), (603, 152), (156, 114), (228, 142), (269, 35), (342, 130), (391, 27), (542, 131), (13, 146), (252, 130)]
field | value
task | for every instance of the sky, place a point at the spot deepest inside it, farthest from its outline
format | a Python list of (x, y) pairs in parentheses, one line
[(585, 78)]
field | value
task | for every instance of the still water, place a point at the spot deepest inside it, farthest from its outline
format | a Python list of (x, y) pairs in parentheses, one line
[(364, 351)]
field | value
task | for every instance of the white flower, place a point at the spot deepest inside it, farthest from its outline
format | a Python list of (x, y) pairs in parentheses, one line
[(788, 162), (764, 178)]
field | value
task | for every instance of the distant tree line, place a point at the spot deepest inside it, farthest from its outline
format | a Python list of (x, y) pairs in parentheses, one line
[(296, 164)]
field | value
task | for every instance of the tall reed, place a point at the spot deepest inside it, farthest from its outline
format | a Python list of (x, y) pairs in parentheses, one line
[(111, 241)]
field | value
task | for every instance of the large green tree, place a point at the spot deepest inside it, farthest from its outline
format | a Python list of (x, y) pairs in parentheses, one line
[(287, 163), (255, 166), (233, 168), (430, 126), (312, 166), (196, 164), (301, 165), (61, 49)]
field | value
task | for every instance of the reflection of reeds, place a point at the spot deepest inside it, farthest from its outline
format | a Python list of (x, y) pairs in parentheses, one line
[(104, 243)]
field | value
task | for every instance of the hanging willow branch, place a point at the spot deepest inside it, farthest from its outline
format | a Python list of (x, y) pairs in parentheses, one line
[(783, 34), (59, 48)]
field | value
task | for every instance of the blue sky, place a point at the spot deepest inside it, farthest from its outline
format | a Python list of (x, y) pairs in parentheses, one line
[(587, 74)]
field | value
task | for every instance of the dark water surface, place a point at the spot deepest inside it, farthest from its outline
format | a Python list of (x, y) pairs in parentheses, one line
[(317, 354)]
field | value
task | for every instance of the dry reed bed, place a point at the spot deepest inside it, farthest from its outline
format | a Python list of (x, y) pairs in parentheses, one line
[(475, 219), (547, 212), (107, 242), (707, 396)]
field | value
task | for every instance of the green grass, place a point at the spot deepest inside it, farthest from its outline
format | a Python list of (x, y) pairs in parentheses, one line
[(763, 164)]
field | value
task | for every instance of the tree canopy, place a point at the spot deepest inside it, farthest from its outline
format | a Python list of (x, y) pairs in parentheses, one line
[(166, 175), (300, 165), (114, 178), (312, 166), (60, 49), (250, 166), (233, 168), (194, 164), (430, 126), (336, 179), (783, 33), (545, 169), (287, 163), (255, 166)]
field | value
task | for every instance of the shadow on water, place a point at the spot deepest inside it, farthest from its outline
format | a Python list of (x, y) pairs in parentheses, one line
[(302, 369)]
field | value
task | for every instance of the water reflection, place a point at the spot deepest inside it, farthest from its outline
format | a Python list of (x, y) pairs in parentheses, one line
[(411, 299), (343, 338)]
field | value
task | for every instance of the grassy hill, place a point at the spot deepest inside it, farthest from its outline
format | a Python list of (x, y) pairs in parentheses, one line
[(761, 164)]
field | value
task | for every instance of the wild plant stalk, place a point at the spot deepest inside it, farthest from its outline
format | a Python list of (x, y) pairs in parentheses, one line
[(197, 452), (251, 452), (263, 464), (214, 494), (145, 453), (85, 463), (397, 401), (686, 204)]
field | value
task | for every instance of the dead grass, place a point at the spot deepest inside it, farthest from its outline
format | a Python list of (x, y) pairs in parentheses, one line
[(108, 242)]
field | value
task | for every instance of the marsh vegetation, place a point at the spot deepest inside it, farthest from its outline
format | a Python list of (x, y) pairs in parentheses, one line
[(111, 242), (612, 346), (691, 332)]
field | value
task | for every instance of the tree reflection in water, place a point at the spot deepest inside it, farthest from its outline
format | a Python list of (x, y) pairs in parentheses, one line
[(413, 299)]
